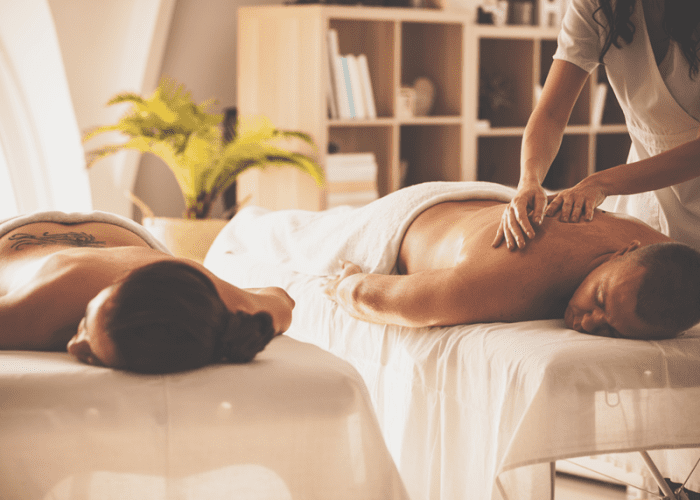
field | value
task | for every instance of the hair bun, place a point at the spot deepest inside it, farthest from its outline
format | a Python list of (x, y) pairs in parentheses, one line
[(242, 336)]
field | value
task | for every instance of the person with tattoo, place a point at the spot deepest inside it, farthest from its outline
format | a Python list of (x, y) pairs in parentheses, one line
[(105, 289)]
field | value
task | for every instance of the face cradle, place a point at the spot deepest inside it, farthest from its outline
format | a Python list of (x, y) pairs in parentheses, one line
[(604, 304)]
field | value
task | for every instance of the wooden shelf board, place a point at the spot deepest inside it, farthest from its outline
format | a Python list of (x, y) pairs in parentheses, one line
[(570, 130), (525, 32), (370, 13), (381, 122)]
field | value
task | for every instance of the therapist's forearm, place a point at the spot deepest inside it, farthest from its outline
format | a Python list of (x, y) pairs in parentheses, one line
[(671, 167), (545, 128), (541, 142)]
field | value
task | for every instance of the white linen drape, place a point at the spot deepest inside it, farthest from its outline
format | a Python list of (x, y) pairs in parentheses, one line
[(111, 46), (43, 159)]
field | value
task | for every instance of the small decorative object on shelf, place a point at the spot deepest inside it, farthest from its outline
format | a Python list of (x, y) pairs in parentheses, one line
[(417, 100), (495, 94), (493, 12), (403, 172), (552, 12), (425, 96), (483, 16), (521, 12), (406, 102), (482, 124)]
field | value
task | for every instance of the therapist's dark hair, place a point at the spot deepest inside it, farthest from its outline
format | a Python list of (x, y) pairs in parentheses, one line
[(168, 317), (669, 295), (681, 22)]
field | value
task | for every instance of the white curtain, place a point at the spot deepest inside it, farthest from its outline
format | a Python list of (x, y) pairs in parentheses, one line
[(42, 165), (110, 46)]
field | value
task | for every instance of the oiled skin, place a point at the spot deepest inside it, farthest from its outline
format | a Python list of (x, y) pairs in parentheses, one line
[(45, 286), (451, 274)]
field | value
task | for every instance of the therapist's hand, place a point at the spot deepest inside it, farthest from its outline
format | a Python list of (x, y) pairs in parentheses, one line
[(577, 202), (525, 209)]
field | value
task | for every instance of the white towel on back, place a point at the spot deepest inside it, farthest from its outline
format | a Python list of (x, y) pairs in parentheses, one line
[(370, 236)]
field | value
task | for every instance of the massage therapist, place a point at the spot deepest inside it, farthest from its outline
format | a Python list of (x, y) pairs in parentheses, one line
[(650, 52)]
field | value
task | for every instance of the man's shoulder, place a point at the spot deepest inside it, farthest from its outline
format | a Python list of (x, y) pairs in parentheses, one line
[(628, 227)]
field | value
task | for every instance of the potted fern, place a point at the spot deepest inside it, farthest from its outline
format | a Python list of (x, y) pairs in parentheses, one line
[(189, 139)]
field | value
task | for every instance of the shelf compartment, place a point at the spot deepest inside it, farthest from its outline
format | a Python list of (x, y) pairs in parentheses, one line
[(432, 152), (499, 159), (364, 139), (423, 54), (612, 112), (581, 113), (611, 150), (509, 65), (571, 163), (375, 39), (547, 50)]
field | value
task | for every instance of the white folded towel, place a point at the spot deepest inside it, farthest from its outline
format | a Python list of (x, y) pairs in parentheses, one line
[(13, 223)]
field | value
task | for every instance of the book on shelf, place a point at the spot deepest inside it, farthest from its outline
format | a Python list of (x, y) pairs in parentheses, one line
[(350, 82), (345, 63), (351, 179), (336, 71), (358, 98), (330, 93), (370, 107)]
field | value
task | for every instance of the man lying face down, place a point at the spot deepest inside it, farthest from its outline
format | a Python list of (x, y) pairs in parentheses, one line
[(614, 276), (103, 293)]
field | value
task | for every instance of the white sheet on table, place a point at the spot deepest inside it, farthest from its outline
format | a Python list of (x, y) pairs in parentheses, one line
[(295, 423), (478, 411)]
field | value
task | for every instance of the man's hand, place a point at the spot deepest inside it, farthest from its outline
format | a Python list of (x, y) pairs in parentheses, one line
[(580, 200), (330, 288), (527, 207)]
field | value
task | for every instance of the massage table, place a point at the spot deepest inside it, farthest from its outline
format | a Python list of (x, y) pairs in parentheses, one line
[(296, 423), (484, 411)]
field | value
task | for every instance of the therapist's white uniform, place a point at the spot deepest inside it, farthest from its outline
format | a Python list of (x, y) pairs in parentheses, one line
[(661, 106)]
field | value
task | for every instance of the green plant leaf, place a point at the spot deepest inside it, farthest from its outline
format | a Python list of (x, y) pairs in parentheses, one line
[(188, 138)]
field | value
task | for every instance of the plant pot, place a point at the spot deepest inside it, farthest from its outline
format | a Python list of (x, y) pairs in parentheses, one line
[(190, 238)]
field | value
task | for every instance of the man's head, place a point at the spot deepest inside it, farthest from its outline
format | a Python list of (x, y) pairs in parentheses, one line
[(652, 292), (166, 317)]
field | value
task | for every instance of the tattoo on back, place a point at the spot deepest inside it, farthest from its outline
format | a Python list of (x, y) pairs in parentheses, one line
[(72, 239)]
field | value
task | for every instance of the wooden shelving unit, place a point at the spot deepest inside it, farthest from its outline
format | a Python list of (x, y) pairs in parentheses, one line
[(523, 56), (282, 66)]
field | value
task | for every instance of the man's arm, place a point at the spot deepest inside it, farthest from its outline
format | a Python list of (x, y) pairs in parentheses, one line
[(438, 297)]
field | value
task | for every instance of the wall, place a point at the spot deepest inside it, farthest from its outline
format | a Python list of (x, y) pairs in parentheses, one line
[(201, 54), (108, 47)]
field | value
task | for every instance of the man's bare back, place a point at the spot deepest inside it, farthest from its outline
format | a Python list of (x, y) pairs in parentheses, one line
[(453, 275)]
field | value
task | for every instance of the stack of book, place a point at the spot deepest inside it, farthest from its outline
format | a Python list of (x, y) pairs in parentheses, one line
[(348, 84), (351, 179)]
